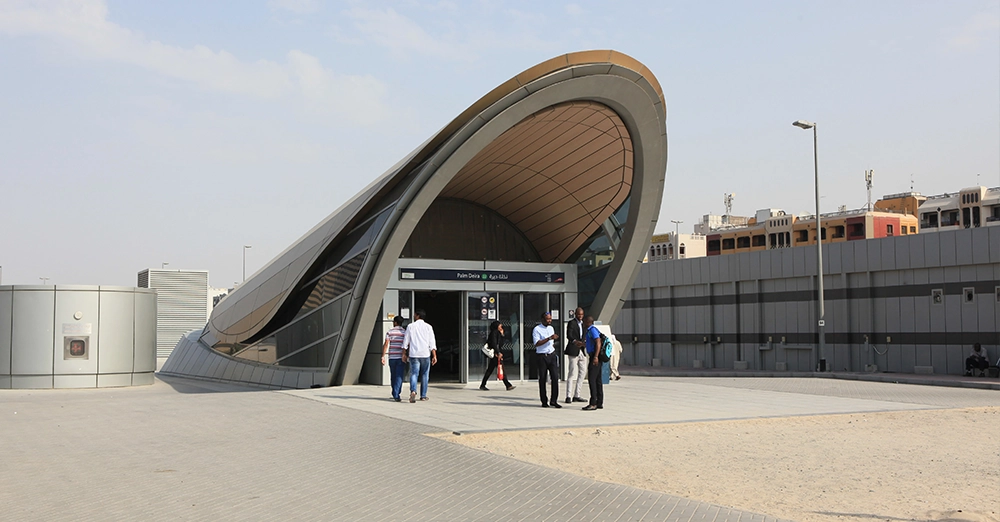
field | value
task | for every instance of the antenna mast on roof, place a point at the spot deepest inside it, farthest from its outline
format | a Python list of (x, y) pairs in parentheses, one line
[(728, 199), (869, 174)]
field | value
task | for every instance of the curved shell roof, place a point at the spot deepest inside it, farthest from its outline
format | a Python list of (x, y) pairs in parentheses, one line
[(522, 174)]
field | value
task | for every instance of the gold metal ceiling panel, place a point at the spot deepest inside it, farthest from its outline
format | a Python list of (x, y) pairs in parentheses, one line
[(565, 168)]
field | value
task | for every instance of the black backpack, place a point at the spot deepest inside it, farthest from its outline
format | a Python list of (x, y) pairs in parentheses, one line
[(604, 351)]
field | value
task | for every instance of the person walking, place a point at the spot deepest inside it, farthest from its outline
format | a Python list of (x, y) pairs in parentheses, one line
[(392, 351), (548, 361), (577, 353), (494, 339), (616, 356), (420, 349), (594, 371)]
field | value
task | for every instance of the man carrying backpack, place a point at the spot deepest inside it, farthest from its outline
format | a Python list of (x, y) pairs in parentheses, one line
[(594, 369)]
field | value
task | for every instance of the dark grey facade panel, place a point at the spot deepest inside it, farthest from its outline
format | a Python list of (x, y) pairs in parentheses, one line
[(889, 317)]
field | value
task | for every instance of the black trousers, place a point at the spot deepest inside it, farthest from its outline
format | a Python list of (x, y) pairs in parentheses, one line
[(489, 371), (594, 379), (976, 363), (548, 363)]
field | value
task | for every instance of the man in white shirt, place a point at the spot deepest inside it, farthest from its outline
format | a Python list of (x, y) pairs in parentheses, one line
[(977, 360), (548, 360), (420, 349)]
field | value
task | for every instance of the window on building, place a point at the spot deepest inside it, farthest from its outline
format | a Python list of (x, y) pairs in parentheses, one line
[(802, 236), (670, 251), (888, 230), (929, 220), (728, 243), (822, 233), (681, 250), (838, 231), (759, 240), (856, 230), (913, 230), (902, 229), (714, 245), (743, 242), (773, 238)]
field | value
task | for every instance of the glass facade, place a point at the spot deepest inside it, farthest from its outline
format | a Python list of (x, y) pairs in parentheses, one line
[(596, 255), (316, 315)]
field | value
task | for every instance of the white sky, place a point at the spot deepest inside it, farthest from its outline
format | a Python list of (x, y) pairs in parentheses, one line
[(137, 133)]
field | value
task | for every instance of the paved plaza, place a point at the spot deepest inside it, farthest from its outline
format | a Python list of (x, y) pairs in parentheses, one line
[(192, 450)]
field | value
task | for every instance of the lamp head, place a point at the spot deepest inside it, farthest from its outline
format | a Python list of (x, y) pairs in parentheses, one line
[(803, 124)]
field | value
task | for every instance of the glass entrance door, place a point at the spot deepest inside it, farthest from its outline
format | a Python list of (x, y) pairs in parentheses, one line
[(483, 309)]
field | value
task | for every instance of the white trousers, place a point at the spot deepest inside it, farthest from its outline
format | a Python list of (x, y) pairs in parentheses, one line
[(576, 376), (616, 356)]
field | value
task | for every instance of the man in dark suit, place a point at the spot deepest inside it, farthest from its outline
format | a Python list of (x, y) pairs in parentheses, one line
[(577, 353)]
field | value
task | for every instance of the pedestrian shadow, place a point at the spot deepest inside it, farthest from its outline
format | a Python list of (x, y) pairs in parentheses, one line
[(354, 398)]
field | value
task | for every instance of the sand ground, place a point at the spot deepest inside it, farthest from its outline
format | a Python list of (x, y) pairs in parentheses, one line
[(941, 464)]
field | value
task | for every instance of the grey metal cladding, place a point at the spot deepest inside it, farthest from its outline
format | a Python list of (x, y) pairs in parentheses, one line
[(6, 309), (32, 336)]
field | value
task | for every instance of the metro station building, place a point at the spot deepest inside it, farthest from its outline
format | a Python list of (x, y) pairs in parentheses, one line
[(541, 196)]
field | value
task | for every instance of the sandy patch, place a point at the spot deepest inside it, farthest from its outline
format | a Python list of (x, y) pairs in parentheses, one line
[(913, 465)]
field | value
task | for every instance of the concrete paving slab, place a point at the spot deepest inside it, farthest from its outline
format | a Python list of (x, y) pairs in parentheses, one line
[(194, 450), (644, 400)]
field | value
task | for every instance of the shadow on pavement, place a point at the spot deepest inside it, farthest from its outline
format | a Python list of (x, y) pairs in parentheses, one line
[(187, 385)]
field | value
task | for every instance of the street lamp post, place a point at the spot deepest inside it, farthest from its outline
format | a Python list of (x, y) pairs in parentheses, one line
[(821, 323), (45, 280), (245, 247), (163, 265), (677, 247)]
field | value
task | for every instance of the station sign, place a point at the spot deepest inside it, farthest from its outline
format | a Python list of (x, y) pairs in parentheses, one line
[(484, 276)]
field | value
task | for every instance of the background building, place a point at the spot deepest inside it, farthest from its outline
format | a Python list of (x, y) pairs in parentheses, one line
[(181, 303), (664, 247)]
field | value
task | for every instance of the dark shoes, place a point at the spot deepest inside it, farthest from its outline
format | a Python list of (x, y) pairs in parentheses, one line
[(568, 400), (397, 399), (577, 399), (484, 388), (589, 407), (555, 404), (511, 387), (545, 405)]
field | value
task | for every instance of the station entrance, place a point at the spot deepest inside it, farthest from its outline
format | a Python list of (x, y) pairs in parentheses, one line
[(461, 322)]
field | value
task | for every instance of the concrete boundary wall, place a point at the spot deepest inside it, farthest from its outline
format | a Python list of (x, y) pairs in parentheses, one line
[(903, 304)]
